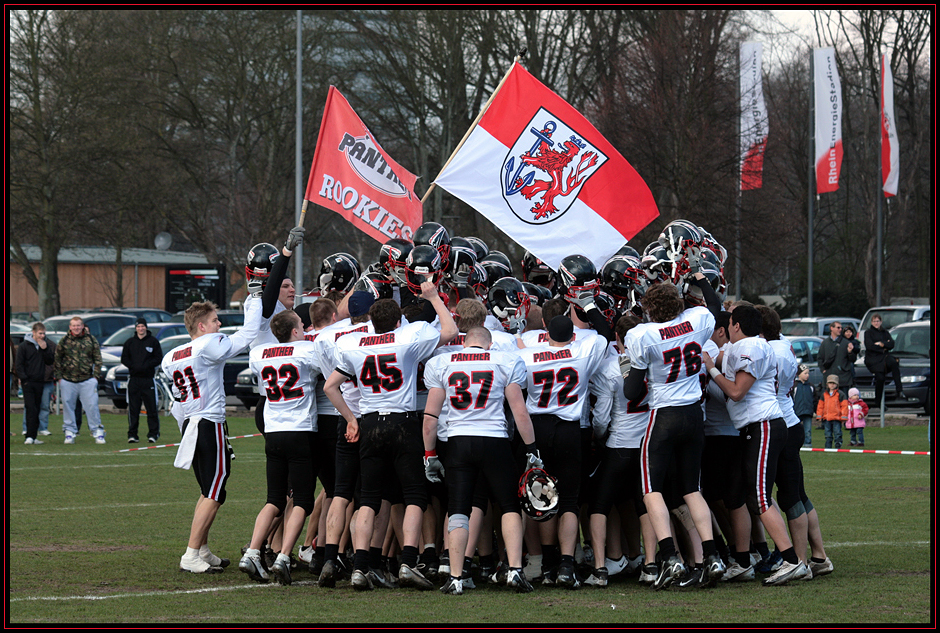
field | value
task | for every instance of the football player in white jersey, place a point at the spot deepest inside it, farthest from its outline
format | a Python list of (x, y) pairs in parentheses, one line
[(558, 376), (196, 372), (666, 352), (620, 424), (748, 378), (802, 518), (474, 382), (288, 371), (385, 366)]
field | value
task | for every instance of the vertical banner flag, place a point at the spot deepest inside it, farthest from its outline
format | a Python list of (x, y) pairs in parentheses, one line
[(890, 154), (352, 175), (828, 105), (537, 169), (754, 125)]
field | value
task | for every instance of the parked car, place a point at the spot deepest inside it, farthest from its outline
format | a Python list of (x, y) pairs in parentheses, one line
[(228, 318), (101, 325), (17, 331), (806, 349), (153, 315), (913, 348), (813, 326), (246, 388), (115, 383), (115, 343), (892, 316)]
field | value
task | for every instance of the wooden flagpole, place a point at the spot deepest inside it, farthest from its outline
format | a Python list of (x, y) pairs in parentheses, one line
[(475, 121)]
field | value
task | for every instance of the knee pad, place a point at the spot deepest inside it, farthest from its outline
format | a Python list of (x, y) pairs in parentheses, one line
[(458, 521), (795, 511)]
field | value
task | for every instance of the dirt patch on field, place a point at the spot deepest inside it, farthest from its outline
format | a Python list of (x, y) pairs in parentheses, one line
[(74, 547)]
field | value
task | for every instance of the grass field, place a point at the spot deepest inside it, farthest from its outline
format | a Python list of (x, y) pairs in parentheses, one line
[(95, 536)]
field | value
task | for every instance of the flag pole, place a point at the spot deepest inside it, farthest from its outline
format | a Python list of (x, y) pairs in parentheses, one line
[(475, 121)]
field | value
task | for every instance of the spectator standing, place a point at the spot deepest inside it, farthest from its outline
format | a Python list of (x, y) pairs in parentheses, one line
[(857, 410), (77, 366), (834, 357), (878, 358), (804, 403), (33, 356), (832, 410), (852, 349), (141, 355)]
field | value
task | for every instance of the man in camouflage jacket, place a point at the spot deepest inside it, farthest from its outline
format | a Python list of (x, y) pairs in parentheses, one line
[(77, 366)]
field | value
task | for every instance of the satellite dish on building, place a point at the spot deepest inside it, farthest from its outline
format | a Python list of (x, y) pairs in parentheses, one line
[(163, 241)]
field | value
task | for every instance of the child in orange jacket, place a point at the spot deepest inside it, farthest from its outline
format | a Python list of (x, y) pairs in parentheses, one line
[(856, 418), (832, 409)]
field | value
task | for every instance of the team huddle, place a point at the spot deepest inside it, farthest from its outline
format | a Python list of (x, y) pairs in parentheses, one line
[(563, 429)]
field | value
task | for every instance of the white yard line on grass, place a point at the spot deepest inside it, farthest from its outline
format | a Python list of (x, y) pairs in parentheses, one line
[(158, 593)]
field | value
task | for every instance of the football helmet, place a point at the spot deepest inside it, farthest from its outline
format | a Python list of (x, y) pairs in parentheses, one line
[(536, 271), (626, 249), (424, 263), (260, 262), (677, 238), (379, 284), (478, 281), (496, 266), (435, 235), (479, 246), (608, 307), (339, 271), (462, 260), (710, 244), (576, 273), (619, 276), (392, 259), (507, 298), (538, 494), (656, 265), (535, 297)]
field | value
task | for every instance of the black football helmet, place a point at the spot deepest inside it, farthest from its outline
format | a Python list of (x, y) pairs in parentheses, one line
[(508, 297), (608, 307), (434, 235), (479, 246), (538, 494), (338, 272), (260, 262), (536, 271), (618, 276), (462, 259), (677, 238), (626, 249), (656, 265), (392, 259), (379, 284), (423, 264), (496, 265), (479, 283), (576, 273)]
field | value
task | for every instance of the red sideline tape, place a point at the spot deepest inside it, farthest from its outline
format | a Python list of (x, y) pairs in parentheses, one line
[(147, 448), (863, 450)]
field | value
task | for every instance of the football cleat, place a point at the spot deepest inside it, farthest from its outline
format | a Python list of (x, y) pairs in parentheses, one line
[(648, 574), (328, 575), (517, 580), (453, 586), (821, 569), (251, 565), (361, 581), (281, 571), (714, 567), (567, 577), (694, 577), (671, 570), (786, 573), (736, 573), (409, 577), (378, 579), (598, 578)]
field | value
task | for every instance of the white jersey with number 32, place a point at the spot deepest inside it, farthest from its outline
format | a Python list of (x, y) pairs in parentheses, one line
[(287, 375)]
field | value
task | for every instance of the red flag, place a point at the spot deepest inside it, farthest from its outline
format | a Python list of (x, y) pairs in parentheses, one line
[(890, 154), (828, 106), (754, 125), (547, 178), (352, 175)]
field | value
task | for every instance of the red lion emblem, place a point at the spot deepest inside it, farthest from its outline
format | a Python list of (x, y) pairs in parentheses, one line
[(554, 163)]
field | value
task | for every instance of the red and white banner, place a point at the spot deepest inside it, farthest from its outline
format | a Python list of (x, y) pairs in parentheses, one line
[(537, 169), (754, 125), (890, 154), (828, 106), (352, 175)]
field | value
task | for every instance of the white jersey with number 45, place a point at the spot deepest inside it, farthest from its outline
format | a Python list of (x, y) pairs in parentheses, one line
[(671, 354), (287, 375), (386, 365), (558, 377)]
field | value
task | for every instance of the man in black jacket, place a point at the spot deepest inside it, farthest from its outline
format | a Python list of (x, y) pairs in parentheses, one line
[(142, 354), (32, 357)]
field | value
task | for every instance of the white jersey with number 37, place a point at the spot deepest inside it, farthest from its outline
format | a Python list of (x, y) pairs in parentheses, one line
[(671, 354)]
